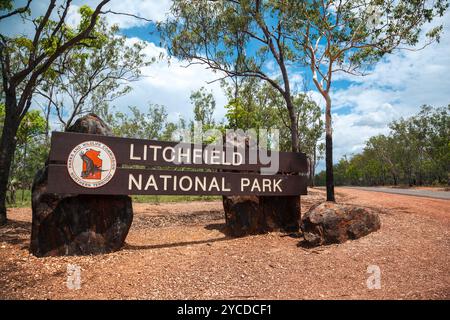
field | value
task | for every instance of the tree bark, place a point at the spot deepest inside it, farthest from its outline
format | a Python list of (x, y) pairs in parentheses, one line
[(329, 151), (293, 121), (7, 149), (313, 168)]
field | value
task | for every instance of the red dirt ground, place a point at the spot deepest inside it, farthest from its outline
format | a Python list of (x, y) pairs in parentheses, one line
[(178, 251)]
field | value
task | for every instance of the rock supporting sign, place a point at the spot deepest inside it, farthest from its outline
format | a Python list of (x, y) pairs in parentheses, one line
[(78, 224)]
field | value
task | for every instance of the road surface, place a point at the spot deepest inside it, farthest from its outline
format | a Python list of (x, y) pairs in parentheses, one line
[(409, 192)]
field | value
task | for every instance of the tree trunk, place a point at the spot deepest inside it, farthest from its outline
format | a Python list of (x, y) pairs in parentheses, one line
[(310, 171), (313, 168), (293, 123), (329, 151), (7, 149), (47, 123)]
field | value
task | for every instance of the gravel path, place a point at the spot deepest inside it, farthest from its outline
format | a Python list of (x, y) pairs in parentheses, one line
[(409, 192), (178, 251)]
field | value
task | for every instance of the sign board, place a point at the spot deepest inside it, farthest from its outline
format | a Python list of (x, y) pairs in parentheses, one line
[(97, 164)]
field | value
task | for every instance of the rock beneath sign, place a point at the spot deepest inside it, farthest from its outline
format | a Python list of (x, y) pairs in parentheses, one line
[(246, 215), (71, 224), (329, 222)]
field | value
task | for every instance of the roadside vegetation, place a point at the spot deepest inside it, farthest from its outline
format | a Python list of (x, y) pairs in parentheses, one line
[(416, 152)]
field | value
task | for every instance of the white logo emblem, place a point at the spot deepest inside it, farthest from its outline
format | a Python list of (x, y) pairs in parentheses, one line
[(91, 164)]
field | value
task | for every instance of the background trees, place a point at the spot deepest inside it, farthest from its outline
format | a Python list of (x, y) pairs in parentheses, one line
[(204, 106), (25, 60), (31, 152), (137, 124), (416, 152), (239, 37), (88, 78), (236, 38), (349, 36)]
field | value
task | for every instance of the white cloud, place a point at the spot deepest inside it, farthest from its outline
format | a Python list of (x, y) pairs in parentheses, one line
[(170, 84), (154, 10), (396, 88)]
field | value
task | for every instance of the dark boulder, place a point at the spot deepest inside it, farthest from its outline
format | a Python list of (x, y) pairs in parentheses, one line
[(69, 224), (329, 222), (246, 215), (91, 124)]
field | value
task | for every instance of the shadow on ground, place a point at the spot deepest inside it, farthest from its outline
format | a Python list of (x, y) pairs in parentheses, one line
[(16, 232)]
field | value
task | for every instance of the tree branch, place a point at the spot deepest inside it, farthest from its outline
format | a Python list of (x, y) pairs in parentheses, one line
[(126, 14), (17, 11)]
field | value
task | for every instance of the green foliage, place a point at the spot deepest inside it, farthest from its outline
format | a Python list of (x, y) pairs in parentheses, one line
[(254, 104), (30, 154), (33, 125), (204, 106), (6, 5), (148, 125), (87, 78), (416, 152)]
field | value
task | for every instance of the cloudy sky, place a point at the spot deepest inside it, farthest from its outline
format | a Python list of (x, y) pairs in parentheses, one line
[(363, 106)]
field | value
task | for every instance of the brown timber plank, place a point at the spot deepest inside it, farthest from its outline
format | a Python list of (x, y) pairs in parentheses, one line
[(290, 185), (63, 142)]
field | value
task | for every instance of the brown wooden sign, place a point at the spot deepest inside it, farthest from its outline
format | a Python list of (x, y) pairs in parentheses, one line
[(96, 164)]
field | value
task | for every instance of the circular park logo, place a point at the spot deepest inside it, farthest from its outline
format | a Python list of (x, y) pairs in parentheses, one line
[(91, 164)]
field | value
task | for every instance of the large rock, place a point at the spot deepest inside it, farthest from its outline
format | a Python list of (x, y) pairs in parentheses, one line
[(91, 124), (245, 215), (329, 222), (78, 224)]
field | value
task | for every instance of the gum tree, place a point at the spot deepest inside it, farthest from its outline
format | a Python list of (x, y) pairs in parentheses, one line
[(237, 39), (349, 36), (24, 61), (87, 79)]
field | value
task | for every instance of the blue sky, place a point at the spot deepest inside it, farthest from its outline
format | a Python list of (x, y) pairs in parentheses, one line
[(362, 106)]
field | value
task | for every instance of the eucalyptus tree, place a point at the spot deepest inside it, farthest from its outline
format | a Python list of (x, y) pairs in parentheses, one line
[(349, 36), (204, 105), (237, 39), (255, 104), (87, 79), (138, 124), (24, 60)]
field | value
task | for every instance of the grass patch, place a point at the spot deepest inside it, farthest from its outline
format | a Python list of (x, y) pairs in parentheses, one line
[(23, 199), (168, 199), (26, 200)]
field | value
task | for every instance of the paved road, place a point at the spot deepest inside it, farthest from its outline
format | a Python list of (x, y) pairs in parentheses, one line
[(409, 192)]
